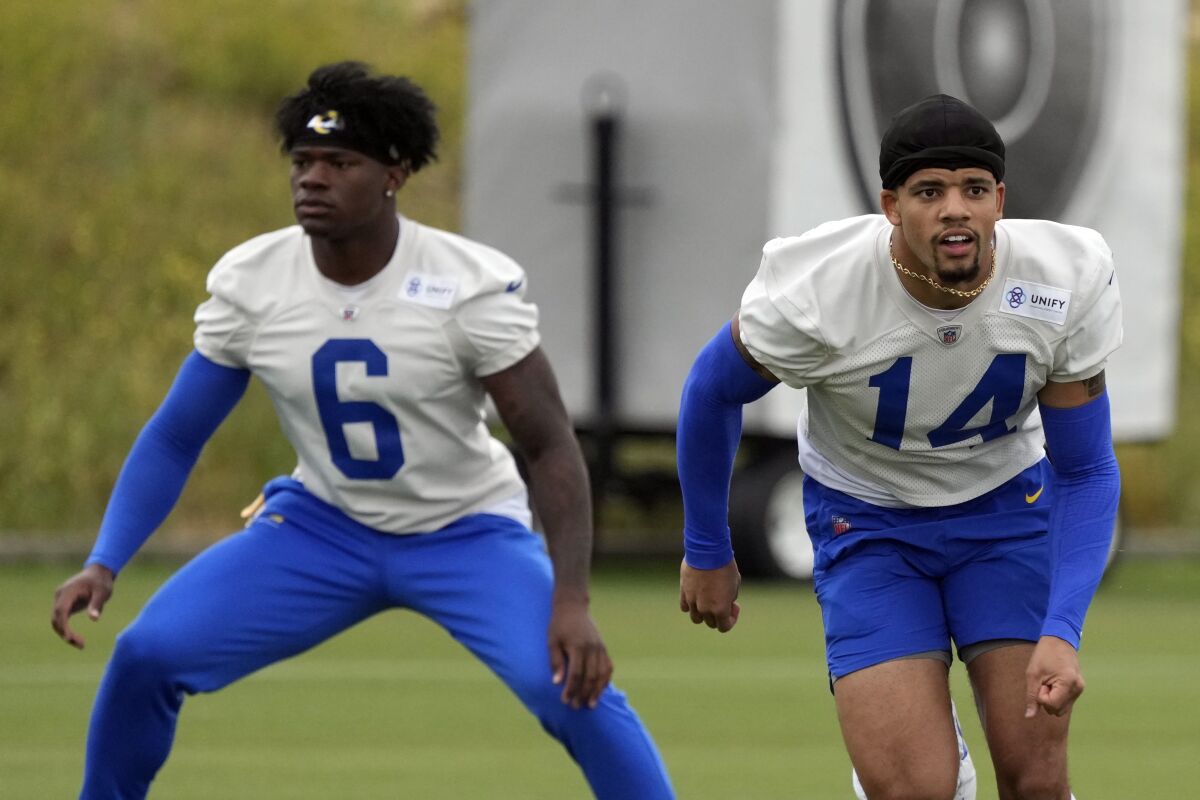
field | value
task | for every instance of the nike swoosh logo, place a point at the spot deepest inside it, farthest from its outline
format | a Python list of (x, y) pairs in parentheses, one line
[(514, 285), (1032, 498)]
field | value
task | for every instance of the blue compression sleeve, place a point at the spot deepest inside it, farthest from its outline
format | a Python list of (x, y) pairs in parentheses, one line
[(1088, 486), (706, 441), (165, 451)]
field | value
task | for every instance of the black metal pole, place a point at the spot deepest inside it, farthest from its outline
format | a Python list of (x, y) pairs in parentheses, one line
[(605, 131)]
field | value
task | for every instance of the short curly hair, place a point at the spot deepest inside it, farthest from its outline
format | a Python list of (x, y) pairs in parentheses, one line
[(386, 117)]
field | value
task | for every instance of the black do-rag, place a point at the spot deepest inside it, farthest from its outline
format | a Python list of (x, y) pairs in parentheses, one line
[(939, 131)]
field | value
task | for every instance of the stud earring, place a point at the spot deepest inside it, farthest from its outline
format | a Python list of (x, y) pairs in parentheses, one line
[(389, 193)]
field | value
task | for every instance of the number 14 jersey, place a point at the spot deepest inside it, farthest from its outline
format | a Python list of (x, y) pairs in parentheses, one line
[(931, 411)]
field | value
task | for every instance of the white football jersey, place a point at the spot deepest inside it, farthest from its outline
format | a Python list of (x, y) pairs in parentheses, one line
[(932, 411), (377, 386)]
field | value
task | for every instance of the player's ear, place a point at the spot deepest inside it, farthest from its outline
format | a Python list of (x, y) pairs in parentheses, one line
[(1000, 200), (889, 204), (396, 178)]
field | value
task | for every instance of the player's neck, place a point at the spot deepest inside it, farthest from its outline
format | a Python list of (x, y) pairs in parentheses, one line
[(927, 296), (919, 282), (351, 260)]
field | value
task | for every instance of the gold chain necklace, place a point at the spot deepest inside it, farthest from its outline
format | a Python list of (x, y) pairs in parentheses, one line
[(938, 286)]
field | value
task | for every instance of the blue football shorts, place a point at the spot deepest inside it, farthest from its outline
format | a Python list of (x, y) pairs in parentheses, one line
[(895, 582)]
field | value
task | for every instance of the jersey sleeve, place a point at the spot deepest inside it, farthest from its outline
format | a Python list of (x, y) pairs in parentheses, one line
[(223, 326), (1098, 329), (780, 335), (498, 329)]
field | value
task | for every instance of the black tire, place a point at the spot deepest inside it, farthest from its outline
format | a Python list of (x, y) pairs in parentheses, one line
[(766, 520)]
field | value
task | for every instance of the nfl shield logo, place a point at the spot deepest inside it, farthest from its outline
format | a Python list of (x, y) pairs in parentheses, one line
[(840, 524), (949, 334)]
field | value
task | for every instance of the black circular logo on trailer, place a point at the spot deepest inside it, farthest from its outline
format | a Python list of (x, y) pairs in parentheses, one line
[(1036, 68)]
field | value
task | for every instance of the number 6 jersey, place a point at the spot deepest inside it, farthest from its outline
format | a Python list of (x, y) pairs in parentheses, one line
[(917, 406), (377, 385)]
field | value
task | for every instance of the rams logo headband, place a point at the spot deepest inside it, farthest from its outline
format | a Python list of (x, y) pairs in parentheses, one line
[(330, 128), (327, 123)]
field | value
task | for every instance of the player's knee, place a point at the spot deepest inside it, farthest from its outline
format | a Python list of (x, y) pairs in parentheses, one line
[(544, 701), (530, 682), (916, 792), (927, 786), (1031, 775), (142, 651), (1035, 785), (536, 691)]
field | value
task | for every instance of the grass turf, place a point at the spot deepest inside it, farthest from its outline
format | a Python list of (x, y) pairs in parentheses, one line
[(395, 708)]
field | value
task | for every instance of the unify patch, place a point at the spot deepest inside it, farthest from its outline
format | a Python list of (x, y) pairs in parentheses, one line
[(1035, 300), (429, 290)]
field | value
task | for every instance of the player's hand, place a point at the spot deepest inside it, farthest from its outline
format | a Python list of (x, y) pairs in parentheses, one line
[(90, 589), (710, 595), (1052, 680), (578, 658)]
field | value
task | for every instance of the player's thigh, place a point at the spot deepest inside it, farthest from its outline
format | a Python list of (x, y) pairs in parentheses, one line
[(877, 604), (999, 590), (898, 728), (1024, 751), (488, 581), (265, 593)]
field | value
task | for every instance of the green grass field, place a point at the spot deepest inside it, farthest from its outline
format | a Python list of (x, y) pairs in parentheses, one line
[(394, 708)]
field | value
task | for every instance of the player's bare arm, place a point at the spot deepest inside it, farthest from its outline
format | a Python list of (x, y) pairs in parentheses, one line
[(89, 588), (1073, 393), (736, 330), (527, 397)]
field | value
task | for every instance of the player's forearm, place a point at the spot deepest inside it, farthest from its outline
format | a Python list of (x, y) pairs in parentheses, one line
[(559, 485), (706, 441), (163, 455), (1087, 486), (146, 490)]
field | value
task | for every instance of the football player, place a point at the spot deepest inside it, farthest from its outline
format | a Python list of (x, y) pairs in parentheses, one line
[(378, 339), (945, 351)]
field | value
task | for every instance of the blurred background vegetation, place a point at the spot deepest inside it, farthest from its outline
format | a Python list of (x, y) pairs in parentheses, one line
[(136, 147)]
